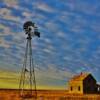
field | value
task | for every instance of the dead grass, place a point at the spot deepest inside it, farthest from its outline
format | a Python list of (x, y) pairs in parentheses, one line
[(8, 94)]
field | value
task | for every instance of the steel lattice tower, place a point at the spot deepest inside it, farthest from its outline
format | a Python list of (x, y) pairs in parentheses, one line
[(27, 85)]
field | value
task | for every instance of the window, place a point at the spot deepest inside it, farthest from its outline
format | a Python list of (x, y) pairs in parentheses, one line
[(98, 89), (78, 88), (71, 88)]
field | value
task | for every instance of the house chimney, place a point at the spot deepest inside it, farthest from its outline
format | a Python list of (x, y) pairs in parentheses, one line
[(81, 73)]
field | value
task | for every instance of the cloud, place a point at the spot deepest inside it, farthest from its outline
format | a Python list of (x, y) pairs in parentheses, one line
[(7, 15), (4, 30), (27, 14), (44, 78), (51, 76), (86, 6), (8, 79), (11, 3), (69, 41), (4, 44), (44, 7)]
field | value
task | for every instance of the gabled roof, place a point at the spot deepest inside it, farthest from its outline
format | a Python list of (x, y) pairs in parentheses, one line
[(80, 77)]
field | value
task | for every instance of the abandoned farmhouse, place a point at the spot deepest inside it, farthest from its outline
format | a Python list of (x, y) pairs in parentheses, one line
[(83, 83)]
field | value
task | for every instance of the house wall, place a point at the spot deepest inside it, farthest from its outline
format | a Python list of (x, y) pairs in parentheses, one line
[(89, 85), (76, 87)]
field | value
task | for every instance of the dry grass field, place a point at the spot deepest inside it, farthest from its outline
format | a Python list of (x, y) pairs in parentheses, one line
[(11, 94)]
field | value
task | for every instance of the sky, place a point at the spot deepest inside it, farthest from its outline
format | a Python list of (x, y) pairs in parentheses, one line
[(69, 42)]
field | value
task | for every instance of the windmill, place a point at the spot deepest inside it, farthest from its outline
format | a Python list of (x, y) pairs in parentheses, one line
[(27, 85)]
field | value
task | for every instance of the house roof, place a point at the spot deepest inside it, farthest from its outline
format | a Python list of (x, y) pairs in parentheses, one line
[(80, 77)]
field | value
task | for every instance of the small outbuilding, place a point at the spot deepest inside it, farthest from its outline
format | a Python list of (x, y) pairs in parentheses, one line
[(84, 83)]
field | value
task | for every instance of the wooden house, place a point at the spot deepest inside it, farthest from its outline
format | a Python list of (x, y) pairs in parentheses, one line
[(83, 83)]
